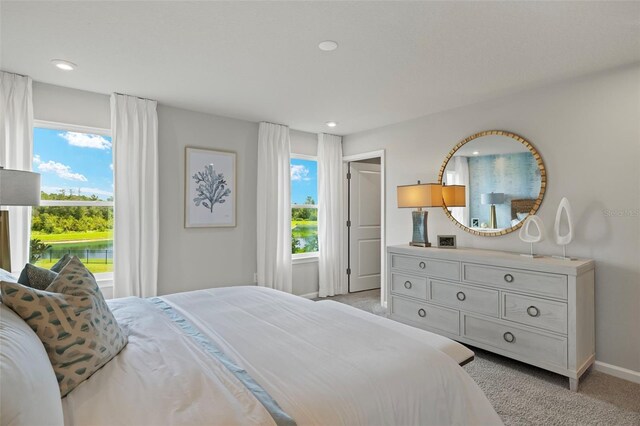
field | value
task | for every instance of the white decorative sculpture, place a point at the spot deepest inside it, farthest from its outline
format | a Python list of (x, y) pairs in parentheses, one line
[(563, 240), (528, 237)]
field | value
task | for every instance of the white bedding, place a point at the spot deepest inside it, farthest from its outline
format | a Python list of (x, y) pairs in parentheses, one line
[(323, 363)]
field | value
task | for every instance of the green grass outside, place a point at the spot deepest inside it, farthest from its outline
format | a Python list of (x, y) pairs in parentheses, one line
[(72, 236), (305, 223)]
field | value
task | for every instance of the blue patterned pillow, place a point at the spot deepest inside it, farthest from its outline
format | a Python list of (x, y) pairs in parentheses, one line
[(36, 277), (73, 322), (61, 263)]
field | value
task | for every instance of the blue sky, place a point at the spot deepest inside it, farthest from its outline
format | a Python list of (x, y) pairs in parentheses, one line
[(73, 161), (304, 180)]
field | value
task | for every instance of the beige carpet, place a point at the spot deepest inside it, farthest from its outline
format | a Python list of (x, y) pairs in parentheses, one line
[(526, 395)]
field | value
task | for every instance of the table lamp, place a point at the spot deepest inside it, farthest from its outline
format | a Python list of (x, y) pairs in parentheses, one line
[(17, 188), (454, 195), (492, 198), (419, 196)]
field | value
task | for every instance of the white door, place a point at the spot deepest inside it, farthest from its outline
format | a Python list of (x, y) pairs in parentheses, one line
[(364, 226)]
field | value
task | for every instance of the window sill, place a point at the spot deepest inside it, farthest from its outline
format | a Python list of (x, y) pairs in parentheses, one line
[(297, 259)]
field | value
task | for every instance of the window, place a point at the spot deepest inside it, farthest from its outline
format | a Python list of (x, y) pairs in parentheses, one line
[(75, 215), (304, 208)]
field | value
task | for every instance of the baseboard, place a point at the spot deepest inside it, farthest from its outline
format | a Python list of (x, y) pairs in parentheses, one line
[(614, 370), (309, 295)]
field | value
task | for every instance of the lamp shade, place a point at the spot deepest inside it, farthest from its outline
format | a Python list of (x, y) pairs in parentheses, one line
[(19, 188), (492, 198), (420, 195), (454, 196)]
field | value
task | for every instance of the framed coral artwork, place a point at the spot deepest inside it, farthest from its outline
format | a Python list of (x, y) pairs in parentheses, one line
[(210, 188)]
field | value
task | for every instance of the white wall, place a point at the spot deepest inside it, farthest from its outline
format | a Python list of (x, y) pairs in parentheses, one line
[(191, 258), (588, 133)]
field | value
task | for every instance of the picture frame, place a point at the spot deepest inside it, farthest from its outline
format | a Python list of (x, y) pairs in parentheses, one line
[(447, 241), (475, 222), (210, 188)]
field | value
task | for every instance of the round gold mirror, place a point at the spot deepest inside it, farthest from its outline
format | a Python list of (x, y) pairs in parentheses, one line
[(495, 179)]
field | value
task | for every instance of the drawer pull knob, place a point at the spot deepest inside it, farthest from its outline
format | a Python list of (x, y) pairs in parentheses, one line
[(533, 311), (508, 278), (422, 313), (422, 265), (461, 296), (407, 285), (509, 337)]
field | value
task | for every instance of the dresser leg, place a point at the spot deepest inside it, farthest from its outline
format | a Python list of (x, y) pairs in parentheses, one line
[(573, 384)]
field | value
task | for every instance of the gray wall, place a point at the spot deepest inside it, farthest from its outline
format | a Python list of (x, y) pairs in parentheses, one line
[(196, 258), (588, 133), (191, 258)]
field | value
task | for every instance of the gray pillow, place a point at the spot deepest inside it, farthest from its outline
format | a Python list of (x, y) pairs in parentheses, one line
[(36, 277)]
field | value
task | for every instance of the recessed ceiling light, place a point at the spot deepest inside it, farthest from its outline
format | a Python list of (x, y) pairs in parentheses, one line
[(328, 45), (64, 65), (332, 123), (476, 152)]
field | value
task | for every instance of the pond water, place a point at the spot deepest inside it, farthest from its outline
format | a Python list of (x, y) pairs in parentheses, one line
[(83, 249)]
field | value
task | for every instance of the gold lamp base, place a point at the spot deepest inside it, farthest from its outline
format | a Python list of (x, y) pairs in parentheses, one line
[(5, 253), (493, 221)]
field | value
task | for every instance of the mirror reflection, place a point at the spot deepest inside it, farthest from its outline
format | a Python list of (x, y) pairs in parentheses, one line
[(503, 180)]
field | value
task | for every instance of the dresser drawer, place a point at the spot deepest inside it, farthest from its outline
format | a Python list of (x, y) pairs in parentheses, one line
[(536, 347), (409, 285), (431, 267), (535, 312), (473, 299), (431, 316), (553, 285)]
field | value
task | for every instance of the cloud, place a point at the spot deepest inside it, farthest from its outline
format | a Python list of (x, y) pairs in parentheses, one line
[(83, 191), (37, 159), (299, 172), (84, 140), (111, 166), (96, 191), (61, 170)]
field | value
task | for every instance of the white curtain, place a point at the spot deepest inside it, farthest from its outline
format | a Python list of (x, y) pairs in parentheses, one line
[(16, 152), (461, 177), (134, 127), (274, 207), (330, 216)]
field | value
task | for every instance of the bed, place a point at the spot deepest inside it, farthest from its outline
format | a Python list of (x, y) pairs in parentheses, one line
[(256, 356)]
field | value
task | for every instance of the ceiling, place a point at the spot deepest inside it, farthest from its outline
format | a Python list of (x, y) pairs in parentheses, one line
[(260, 60)]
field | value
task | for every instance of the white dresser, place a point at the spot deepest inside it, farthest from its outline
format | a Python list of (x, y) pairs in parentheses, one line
[(539, 311)]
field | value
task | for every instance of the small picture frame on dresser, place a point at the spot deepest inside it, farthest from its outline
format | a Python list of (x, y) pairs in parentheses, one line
[(447, 241), (475, 222)]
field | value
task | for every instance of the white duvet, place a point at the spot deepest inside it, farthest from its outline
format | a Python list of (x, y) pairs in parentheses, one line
[(324, 363)]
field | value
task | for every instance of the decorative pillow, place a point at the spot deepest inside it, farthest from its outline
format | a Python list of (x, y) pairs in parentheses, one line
[(30, 393), (73, 322), (36, 277), (61, 263), (522, 216)]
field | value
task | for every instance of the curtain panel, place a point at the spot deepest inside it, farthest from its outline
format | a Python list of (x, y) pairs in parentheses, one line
[(274, 207), (331, 266), (461, 177), (16, 152), (134, 127)]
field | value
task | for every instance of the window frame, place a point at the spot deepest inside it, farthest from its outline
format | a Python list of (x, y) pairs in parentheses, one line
[(104, 279), (311, 256)]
